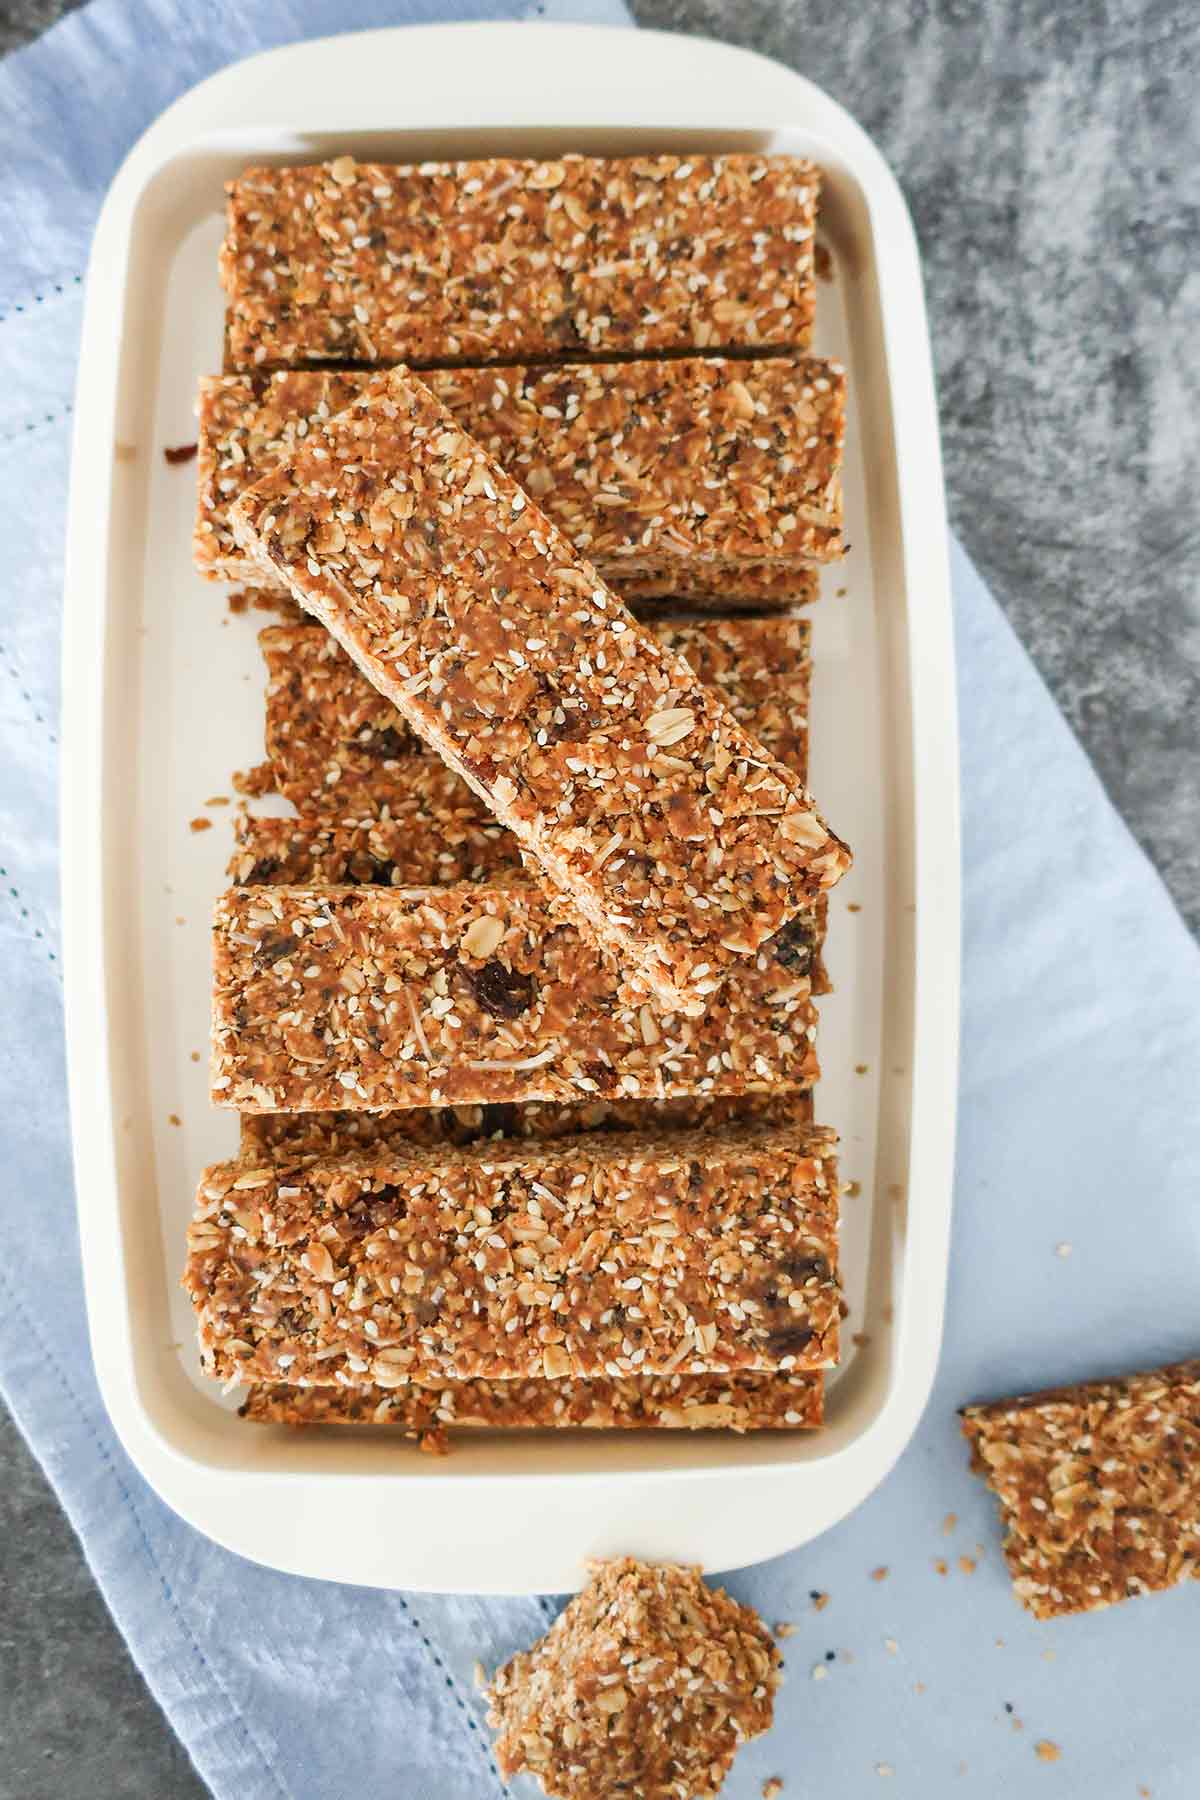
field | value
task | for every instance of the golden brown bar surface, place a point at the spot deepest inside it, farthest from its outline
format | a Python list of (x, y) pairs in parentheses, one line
[(678, 1253), (506, 260), (654, 1403), (366, 998), (665, 471), (1099, 1487), (646, 1685), (335, 743), (618, 771)]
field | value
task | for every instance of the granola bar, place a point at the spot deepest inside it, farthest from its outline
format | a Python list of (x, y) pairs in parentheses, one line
[(334, 742), (646, 1684), (306, 1137), (621, 773), (369, 997), (413, 846), (739, 1403), (502, 260), (661, 470), (611, 1255), (1099, 1487)]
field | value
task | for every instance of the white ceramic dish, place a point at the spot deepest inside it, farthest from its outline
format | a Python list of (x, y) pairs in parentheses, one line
[(163, 698)]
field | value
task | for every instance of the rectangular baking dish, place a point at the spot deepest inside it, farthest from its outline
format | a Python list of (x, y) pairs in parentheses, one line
[(163, 699)]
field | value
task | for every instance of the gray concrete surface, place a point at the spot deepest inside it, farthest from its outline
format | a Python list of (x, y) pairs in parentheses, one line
[(1050, 155)]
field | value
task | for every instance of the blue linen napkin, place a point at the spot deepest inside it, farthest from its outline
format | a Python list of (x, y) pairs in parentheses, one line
[(1080, 1127)]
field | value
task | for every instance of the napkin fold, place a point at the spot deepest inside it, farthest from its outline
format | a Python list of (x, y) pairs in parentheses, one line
[(1077, 1240)]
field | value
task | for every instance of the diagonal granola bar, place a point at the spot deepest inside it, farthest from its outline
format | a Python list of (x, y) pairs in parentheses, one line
[(682, 844)]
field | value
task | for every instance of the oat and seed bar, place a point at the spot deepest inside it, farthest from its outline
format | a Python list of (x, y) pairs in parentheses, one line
[(1099, 1487), (412, 847), (371, 997), (624, 776), (641, 1255), (653, 470), (503, 260), (334, 742), (294, 1138), (646, 1684), (739, 1403)]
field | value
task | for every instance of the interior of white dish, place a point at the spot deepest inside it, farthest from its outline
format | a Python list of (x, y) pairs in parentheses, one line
[(185, 708)]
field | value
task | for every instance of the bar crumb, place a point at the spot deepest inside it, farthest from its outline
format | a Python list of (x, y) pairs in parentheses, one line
[(1046, 1750), (255, 782), (200, 824)]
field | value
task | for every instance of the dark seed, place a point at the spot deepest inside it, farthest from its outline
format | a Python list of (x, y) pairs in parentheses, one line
[(182, 453)]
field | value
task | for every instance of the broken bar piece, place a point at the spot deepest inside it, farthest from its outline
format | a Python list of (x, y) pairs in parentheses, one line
[(756, 1402), (682, 473), (647, 1684), (334, 742), (1099, 1487), (372, 997), (502, 260), (680, 841), (673, 1253)]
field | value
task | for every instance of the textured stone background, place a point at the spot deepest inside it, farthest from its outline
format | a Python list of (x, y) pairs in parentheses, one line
[(1050, 155)]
